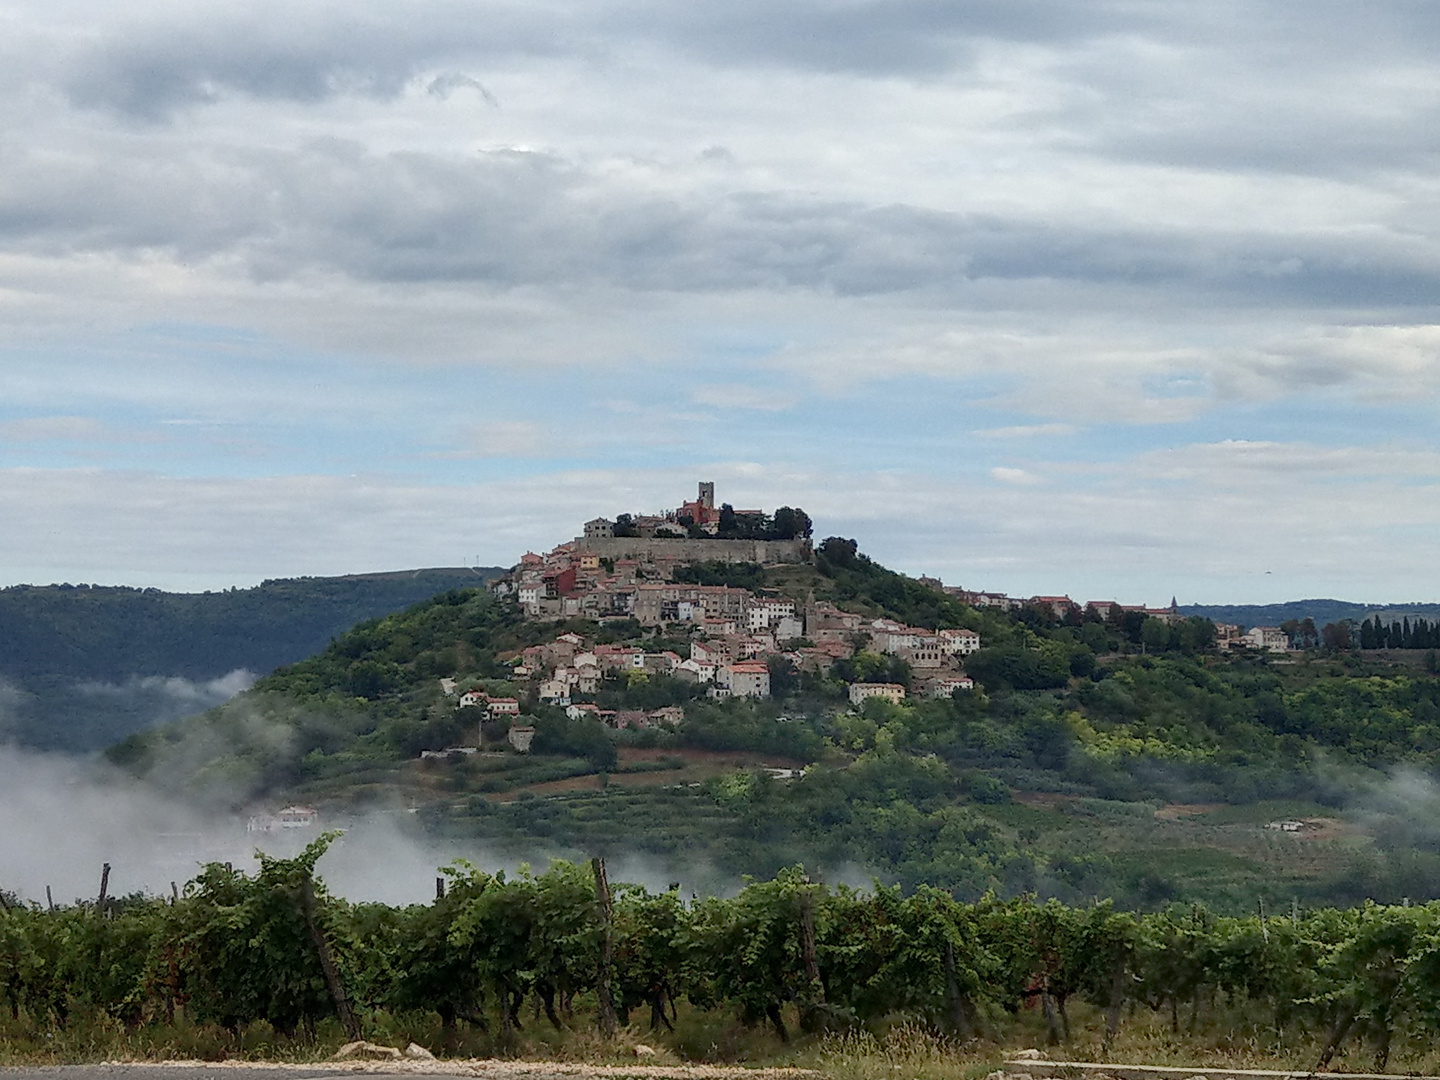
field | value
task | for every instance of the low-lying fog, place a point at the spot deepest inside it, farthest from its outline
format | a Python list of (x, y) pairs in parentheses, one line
[(61, 819)]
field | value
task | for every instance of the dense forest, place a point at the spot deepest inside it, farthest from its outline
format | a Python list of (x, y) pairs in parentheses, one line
[(1124, 758), (86, 665)]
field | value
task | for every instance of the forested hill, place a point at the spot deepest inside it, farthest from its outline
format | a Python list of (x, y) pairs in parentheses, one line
[(85, 665), (1321, 611), (1126, 758)]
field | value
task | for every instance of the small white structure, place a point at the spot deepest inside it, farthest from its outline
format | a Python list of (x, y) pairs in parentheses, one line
[(291, 817), (426, 755), (520, 737), (298, 817), (1289, 826), (943, 688)]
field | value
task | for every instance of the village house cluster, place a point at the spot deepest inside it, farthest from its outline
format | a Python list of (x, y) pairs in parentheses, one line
[(1228, 636), (732, 634), (730, 656)]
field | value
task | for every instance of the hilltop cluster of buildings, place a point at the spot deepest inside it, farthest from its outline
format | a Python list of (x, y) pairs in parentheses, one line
[(731, 634), (730, 656), (697, 516), (627, 569), (1059, 607), (600, 575)]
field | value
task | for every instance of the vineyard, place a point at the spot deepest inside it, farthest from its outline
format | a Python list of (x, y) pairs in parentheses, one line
[(234, 951)]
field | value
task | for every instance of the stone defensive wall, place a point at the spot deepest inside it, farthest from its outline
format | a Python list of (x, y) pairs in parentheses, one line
[(765, 552)]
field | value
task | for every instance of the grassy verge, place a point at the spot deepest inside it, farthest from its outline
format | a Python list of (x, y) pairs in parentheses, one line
[(1221, 1037)]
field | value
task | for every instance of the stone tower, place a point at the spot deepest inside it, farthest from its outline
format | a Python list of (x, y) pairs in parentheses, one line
[(707, 494)]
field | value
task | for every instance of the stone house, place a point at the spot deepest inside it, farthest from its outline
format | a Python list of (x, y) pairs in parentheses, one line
[(862, 692)]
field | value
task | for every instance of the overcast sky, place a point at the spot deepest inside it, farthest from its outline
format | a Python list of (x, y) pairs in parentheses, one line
[(1120, 299)]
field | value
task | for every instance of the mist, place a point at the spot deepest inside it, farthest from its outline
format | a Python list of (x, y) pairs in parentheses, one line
[(62, 819), (169, 697)]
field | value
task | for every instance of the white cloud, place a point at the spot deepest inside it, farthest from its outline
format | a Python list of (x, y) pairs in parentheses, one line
[(1028, 431), (742, 396), (1008, 475), (175, 691), (81, 429), (508, 438)]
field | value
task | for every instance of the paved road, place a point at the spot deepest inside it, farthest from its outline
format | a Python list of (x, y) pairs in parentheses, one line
[(187, 1072)]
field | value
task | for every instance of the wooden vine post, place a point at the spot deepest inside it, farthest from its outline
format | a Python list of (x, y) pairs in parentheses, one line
[(607, 947), (343, 1009)]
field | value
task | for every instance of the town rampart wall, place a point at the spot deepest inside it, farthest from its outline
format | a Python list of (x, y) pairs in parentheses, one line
[(765, 552)]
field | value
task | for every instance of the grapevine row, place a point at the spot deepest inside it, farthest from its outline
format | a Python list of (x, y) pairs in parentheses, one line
[(235, 949)]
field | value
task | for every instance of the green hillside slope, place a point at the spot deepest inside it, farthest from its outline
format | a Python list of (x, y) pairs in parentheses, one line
[(87, 665), (1125, 759)]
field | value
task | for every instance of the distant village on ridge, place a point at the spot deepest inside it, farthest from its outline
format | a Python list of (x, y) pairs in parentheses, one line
[(638, 567)]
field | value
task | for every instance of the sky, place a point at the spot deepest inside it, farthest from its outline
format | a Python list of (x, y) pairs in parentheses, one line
[(1119, 299)]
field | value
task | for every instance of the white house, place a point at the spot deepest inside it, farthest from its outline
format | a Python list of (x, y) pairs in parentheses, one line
[(695, 671), (765, 612), (788, 628), (889, 636), (1267, 638), (959, 642), (943, 688), (297, 817), (556, 691)]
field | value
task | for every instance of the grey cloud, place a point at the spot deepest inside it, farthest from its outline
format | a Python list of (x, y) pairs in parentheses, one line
[(149, 70), (881, 38), (514, 219), (442, 86)]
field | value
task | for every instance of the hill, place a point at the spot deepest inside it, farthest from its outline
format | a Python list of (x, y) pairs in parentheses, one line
[(86, 665), (1321, 611), (1127, 759)]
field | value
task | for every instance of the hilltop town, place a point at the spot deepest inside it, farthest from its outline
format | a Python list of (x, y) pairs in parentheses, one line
[(634, 568), (706, 683), (675, 576)]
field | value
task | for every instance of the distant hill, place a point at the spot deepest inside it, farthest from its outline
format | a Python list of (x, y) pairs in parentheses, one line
[(1322, 611), (84, 665)]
